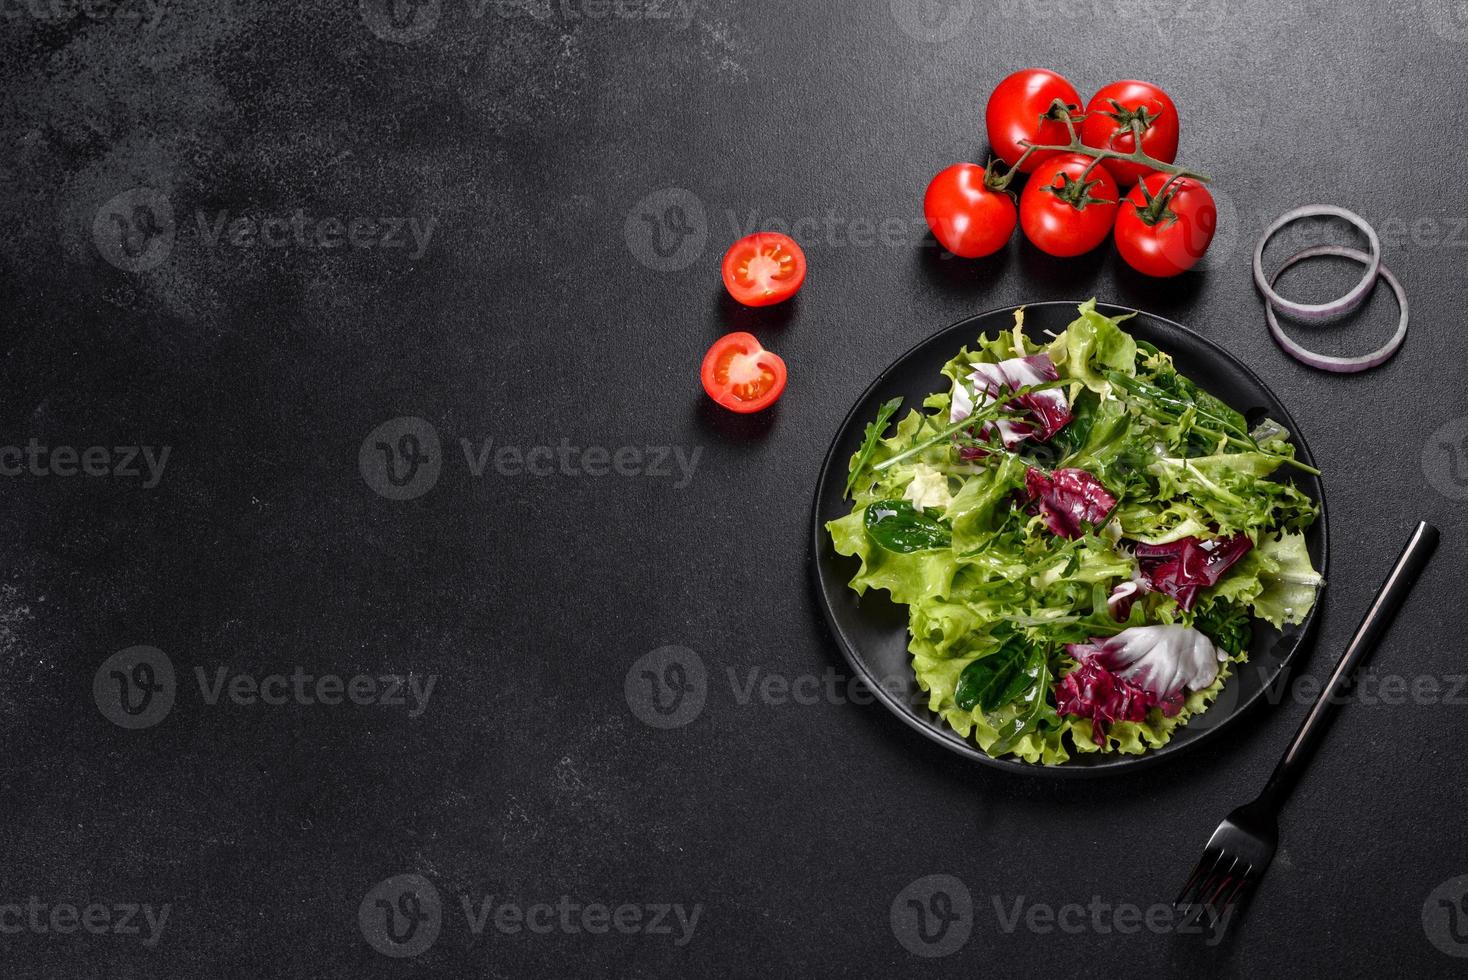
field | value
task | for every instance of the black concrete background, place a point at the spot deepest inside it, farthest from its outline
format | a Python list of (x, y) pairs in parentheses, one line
[(534, 137)]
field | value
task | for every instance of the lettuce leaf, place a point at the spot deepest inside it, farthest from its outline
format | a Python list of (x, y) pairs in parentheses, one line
[(1276, 581), (1092, 345)]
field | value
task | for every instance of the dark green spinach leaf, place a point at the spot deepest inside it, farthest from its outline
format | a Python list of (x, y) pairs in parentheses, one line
[(993, 681), (1036, 706), (898, 526)]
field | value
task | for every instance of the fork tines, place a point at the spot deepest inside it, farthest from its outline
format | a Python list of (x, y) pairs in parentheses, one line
[(1214, 888)]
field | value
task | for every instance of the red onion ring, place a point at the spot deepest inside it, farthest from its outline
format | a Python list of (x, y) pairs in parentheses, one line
[(1325, 362), (1317, 311)]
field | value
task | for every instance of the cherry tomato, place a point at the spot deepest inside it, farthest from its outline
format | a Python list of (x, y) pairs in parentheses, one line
[(741, 375), (764, 268), (1015, 112), (1178, 240), (969, 219), (1058, 215), (1108, 128)]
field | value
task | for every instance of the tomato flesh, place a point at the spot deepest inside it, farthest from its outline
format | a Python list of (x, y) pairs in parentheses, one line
[(764, 268), (741, 375)]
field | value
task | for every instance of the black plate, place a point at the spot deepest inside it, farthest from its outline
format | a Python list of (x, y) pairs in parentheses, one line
[(872, 631)]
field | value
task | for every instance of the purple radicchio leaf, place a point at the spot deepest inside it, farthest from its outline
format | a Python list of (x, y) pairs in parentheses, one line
[(1182, 568), (1048, 411), (1069, 499)]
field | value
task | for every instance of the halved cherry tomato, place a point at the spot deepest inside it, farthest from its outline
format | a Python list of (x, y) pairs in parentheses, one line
[(1055, 223), (968, 218), (1176, 242), (1016, 112), (1108, 127), (764, 268), (741, 375)]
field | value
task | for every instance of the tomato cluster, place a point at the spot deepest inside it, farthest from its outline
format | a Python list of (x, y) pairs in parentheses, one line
[(1079, 162)]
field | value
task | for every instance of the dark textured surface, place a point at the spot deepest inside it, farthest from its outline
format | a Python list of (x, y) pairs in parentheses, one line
[(528, 136)]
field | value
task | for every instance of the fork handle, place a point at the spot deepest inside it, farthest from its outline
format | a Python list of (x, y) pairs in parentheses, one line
[(1389, 599)]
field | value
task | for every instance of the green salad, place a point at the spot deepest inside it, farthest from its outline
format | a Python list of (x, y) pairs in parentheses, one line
[(1081, 535)]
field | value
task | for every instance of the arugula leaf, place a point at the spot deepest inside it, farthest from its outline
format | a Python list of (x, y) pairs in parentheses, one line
[(869, 442), (898, 526), (1226, 624)]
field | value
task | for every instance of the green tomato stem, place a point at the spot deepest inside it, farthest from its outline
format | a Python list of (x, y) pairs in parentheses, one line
[(1137, 155)]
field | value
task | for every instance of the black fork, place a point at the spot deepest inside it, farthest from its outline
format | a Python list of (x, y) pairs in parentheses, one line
[(1240, 850)]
